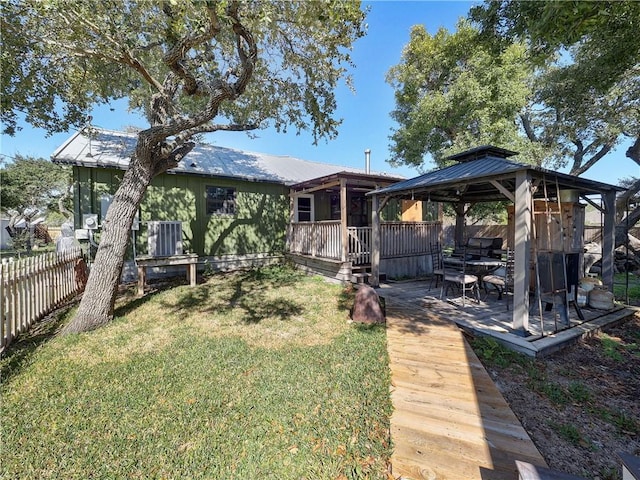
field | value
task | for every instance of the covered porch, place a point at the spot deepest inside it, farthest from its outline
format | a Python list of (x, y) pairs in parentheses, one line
[(545, 218), (330, 229)]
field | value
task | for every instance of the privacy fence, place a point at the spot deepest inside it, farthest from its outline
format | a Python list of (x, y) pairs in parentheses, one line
[(32, 287)]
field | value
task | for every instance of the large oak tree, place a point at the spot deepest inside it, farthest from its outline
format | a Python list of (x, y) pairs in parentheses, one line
[(556, 94), (594, 85), (192, 66)]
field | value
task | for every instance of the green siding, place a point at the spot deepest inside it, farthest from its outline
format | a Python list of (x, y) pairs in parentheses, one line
[(258, 226)]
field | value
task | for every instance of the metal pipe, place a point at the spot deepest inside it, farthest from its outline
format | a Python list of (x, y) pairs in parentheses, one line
[(367, 161)]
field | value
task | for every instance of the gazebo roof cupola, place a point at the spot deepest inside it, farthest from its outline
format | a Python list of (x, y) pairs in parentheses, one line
[(483, 151)]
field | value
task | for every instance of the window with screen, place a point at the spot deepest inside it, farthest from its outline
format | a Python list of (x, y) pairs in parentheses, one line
[(304, 208), (221, 200)]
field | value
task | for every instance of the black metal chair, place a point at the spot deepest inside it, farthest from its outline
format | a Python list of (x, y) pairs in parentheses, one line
[(437, 263), (501, 279)]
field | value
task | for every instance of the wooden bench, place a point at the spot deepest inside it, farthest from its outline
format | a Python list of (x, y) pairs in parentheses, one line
[(144, 262)]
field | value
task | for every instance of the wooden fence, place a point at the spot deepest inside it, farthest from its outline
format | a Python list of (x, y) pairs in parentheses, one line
[(32, 287), (402, 239)]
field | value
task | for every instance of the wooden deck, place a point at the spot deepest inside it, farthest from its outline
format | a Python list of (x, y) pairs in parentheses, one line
[(449, 421), (491, 317)]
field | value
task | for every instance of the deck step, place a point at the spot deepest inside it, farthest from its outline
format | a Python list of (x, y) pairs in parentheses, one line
[(360, 277), (527, 471)]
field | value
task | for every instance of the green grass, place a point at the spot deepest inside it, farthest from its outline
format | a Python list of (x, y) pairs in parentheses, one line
[(620, 289), (491, 352), (570, 433), (252, 375)]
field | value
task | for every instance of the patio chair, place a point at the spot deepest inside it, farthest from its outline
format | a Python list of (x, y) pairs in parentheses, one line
[(437, 263), (463, 281), (502, 279)]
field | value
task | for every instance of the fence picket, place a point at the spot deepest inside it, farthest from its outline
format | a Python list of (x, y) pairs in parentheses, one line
[(33, 287)]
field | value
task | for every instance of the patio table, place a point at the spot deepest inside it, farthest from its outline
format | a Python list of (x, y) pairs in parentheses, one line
[(479, 267)]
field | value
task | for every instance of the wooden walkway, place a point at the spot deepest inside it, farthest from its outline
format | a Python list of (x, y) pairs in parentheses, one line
[(450, 422)]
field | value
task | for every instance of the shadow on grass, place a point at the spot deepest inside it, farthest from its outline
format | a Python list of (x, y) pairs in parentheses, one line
[(245, 291), (20, 351), (156, 288)]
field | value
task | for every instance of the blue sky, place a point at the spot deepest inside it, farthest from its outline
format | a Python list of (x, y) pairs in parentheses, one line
[(365, 114)]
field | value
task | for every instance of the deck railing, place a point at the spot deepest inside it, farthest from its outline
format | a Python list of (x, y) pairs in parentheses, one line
[(397, 239), (32, 287), (318, 239), (360, 245)]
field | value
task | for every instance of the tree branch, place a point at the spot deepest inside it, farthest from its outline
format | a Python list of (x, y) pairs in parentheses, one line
[(528, 129), (633, 152), (175, 56), (604, 149), (578, 156)]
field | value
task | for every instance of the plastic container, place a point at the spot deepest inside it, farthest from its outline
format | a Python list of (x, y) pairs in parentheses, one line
[(582, 297)]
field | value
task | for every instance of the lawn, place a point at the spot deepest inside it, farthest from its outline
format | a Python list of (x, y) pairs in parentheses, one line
[(249, 375), (627, 284)]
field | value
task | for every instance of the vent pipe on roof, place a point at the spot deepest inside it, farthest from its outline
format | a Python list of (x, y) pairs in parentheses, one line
[(367, 161)]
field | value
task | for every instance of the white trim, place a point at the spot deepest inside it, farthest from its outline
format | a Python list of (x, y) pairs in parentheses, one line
[(296, 211)]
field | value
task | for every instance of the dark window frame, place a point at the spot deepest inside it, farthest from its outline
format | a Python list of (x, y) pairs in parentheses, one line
[(221, 201)]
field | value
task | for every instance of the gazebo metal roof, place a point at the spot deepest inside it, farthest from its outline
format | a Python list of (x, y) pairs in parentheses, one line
[(482, 175)]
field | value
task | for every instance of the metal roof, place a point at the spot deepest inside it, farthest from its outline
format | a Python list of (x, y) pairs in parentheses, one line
[(111, 149), (485, 179)]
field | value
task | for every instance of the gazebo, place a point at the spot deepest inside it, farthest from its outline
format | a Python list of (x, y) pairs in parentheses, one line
[(486, 174)]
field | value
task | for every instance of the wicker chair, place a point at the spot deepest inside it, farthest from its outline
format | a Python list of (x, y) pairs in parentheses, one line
[(463, 281)]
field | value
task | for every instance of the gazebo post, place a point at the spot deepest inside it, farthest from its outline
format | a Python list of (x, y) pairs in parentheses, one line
[(460, 216), (522, 252), (375, 241), (608, 238)]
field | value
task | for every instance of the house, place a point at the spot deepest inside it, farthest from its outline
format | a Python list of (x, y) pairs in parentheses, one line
[(234, 207)]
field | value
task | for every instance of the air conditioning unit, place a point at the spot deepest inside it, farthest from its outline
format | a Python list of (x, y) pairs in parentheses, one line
[(164, 238)]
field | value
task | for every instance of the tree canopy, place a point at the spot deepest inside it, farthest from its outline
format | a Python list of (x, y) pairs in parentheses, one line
[(496, 84), (455, 93), (192, 66), (605, 33), (593, 87), (33, 182), (78, 53)]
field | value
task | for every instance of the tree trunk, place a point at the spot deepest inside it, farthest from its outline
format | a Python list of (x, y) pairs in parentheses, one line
[(97, 305)]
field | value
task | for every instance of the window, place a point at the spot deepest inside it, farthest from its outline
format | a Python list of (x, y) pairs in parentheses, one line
[(304, 208), (221, 201)]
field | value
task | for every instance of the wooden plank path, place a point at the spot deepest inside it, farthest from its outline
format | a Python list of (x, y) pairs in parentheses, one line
[(450, 422)]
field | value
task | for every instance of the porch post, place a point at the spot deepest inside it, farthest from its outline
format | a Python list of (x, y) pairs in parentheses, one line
[(292, 218), (522, 252), (608, 238), (375, 241), (344, 235)]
